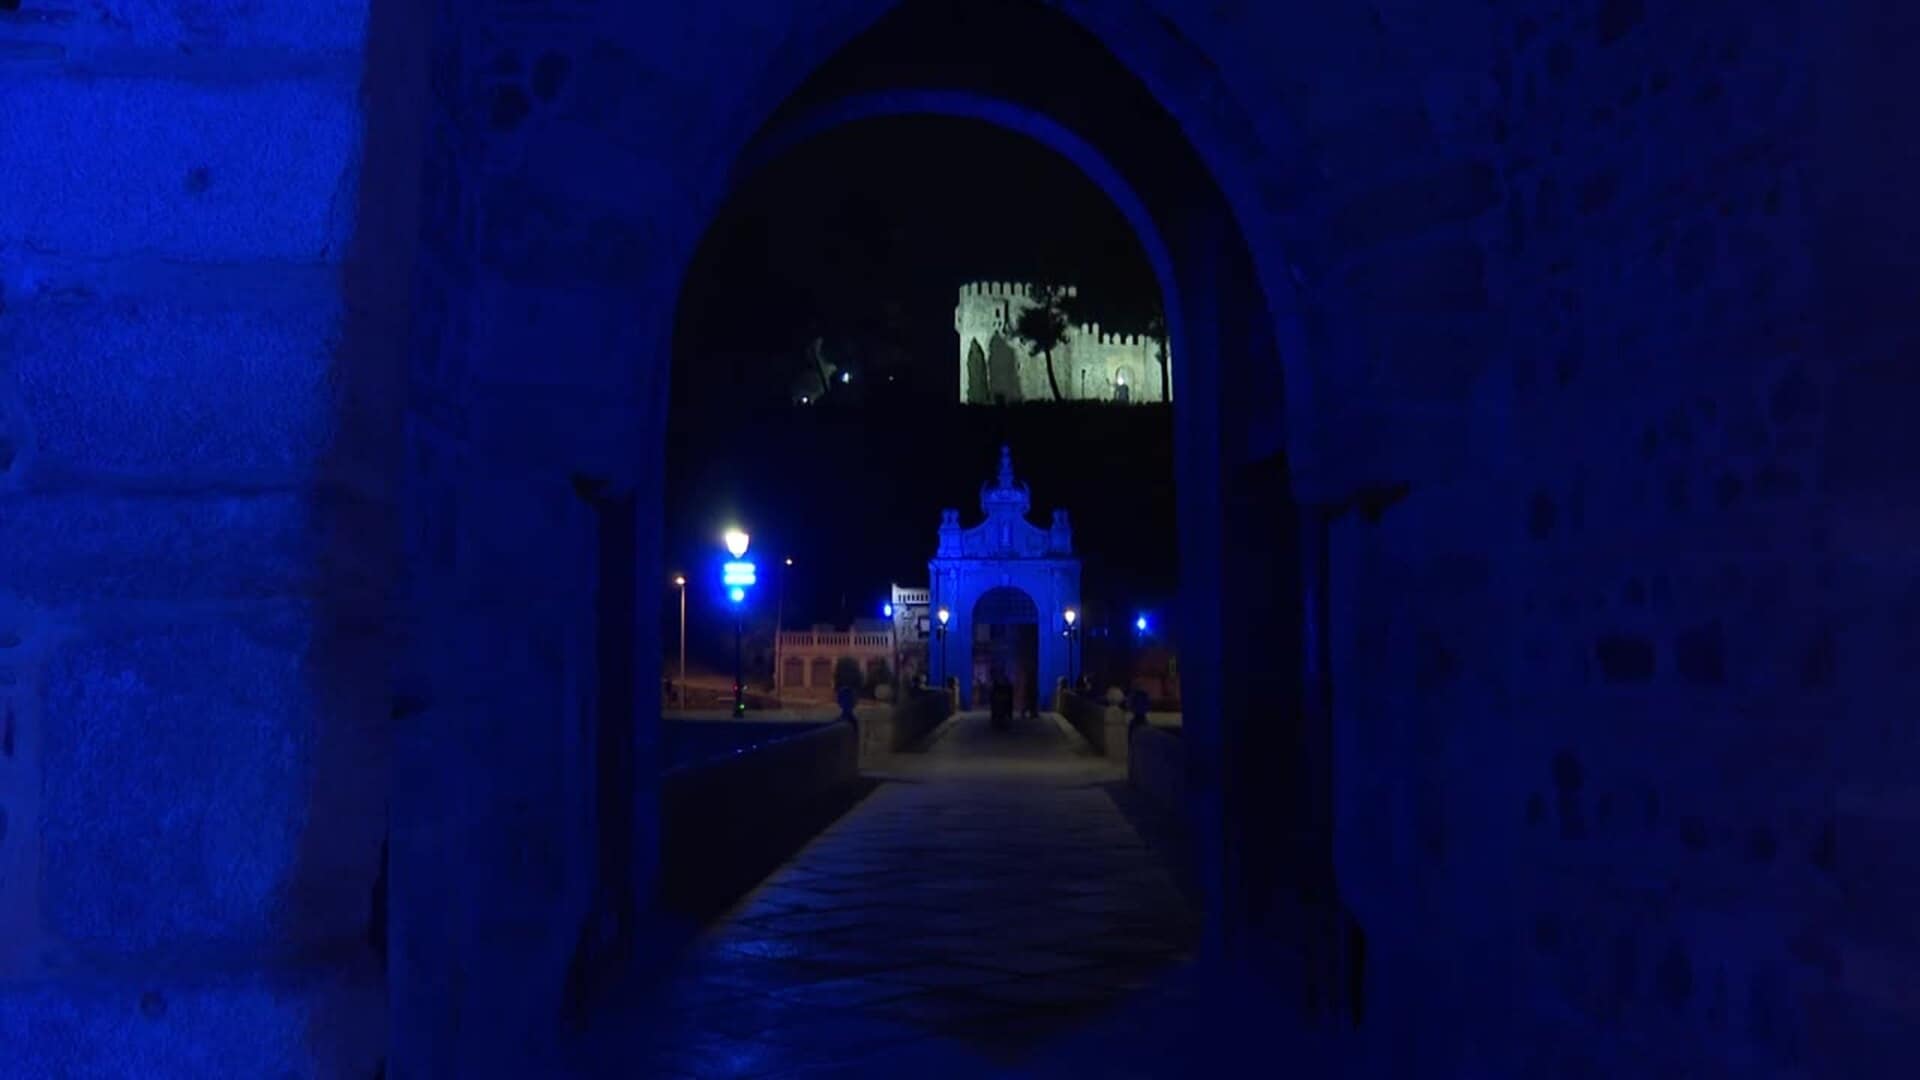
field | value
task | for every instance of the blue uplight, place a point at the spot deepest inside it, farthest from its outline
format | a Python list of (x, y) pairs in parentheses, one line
[(736, 594), (887, 610), (1140, 624)]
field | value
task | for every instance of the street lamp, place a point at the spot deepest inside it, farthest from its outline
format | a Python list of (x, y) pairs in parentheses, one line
[(737, 576), (940, 632), (680, 580), (779, 627), (1072, 617)]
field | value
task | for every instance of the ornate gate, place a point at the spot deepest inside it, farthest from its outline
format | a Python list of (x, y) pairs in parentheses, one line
[(1004, 571)]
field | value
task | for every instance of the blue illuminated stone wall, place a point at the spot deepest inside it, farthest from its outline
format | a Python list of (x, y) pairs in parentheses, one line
[(195, 481)]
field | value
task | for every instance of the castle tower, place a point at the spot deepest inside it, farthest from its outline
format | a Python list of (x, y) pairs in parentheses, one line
[(984, 320), (1093, 364)]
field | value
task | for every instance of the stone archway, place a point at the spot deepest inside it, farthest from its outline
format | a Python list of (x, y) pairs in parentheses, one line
[(1228, 299), (1395, 175), (1232, 403), (1007, 629)]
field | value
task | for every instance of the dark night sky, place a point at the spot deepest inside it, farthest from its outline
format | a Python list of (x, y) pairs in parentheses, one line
[(869, 230), (865, 235)]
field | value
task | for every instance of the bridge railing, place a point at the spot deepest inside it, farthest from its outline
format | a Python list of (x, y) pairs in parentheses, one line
[(1103, 724), (729, 819), (820, 640)]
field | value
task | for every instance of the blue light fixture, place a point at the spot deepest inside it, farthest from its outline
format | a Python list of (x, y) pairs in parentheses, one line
[(738, 575), (1140, 624), (887, 610)]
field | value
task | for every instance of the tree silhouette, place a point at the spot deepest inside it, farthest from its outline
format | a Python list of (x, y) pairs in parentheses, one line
[(979, 392), (1045, 326), (1157, 330)]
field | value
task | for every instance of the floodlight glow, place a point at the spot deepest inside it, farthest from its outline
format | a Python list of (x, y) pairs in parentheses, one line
[(736, 540), (738, 573), (846, 377), (736, 594)]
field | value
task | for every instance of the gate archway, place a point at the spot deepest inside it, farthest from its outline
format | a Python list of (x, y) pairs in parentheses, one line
[(1007, 606), (1007, 628), (1004, 571)]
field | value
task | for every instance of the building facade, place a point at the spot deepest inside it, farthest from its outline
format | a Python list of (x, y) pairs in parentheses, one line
[(807, 657), (1004, 573), (1091, 364)]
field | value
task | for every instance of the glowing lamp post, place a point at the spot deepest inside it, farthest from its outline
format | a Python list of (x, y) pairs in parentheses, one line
[(1072, 631), (779, 628), (940, 633), (680, 581), (738, 576)]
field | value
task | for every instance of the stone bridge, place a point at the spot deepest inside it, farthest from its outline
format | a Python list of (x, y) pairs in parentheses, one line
[(914, 934)]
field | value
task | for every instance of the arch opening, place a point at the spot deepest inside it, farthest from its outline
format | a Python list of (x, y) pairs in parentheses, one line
[(1005, 650), (1229, 409)]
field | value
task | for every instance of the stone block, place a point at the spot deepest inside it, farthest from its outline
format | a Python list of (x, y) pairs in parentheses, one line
[(84, 548), (162, 1030), (536, 236), (16, 437), (1456, 192), (537, 337), (179, 170), (1443, 278), (116, 27), (192, 795), (1428, 359), (164, 389)]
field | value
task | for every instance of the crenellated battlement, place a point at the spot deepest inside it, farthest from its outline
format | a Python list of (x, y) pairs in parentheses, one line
[(1007, 290), (1092, 334)]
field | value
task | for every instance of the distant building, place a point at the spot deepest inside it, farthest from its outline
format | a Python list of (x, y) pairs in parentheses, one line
[(807, 657), (912, 626), (1090, 365)]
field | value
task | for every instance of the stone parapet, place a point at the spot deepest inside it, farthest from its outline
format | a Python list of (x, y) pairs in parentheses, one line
[(726, 823), (916, 717), (1157, 765)]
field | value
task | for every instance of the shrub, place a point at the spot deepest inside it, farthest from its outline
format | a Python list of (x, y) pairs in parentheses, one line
[(847, 674)]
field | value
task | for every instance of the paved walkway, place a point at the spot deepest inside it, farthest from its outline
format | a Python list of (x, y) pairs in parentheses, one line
[(988, 911)]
